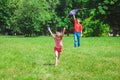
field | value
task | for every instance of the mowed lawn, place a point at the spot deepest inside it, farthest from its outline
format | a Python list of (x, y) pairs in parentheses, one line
[(22, 58)]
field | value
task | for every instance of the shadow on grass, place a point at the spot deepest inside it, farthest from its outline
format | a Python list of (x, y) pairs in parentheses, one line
[(49, 64)]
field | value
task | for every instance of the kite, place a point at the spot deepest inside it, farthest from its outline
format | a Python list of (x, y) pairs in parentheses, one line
[(73, 12)]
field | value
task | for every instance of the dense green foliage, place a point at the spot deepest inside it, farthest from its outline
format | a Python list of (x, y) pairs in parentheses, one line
[(34, 16), (33, 59)]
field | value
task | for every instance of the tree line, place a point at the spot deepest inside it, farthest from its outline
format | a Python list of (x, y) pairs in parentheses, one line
[(32, 17)]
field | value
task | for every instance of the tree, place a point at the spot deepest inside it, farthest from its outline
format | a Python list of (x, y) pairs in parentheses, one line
[(106, 11), (5, 16), (34, 16)]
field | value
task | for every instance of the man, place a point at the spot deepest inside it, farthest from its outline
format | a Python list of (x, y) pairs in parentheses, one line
[(77, 32)]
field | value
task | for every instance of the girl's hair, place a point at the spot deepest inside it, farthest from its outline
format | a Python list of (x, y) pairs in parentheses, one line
[(59, 34)]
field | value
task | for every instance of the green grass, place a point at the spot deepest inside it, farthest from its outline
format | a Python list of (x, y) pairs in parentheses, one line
[(22, 58)]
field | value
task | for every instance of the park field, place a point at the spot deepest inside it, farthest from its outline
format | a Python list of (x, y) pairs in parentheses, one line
[(23, 58)]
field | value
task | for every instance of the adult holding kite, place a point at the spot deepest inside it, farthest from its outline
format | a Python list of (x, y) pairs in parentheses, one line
[(77, 28), (77, 31)]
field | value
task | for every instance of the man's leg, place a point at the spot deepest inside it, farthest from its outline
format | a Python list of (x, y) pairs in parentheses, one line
[(78, 38), (75, 39)]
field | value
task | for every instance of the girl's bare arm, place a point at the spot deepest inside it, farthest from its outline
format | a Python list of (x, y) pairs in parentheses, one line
[(51, 33)]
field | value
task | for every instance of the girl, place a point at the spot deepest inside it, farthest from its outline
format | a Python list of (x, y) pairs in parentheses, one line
[(58, 44)]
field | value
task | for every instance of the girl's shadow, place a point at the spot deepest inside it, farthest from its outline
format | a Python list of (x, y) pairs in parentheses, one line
[(49, 64)]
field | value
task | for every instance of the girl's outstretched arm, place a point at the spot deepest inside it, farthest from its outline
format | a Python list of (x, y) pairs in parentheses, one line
[(51, 32)]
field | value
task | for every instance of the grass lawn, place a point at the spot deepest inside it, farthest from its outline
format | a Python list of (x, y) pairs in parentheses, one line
[(22, 58)]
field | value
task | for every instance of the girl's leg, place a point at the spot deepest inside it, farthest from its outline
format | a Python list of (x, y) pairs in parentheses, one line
[(56, 58), (58, 55)]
